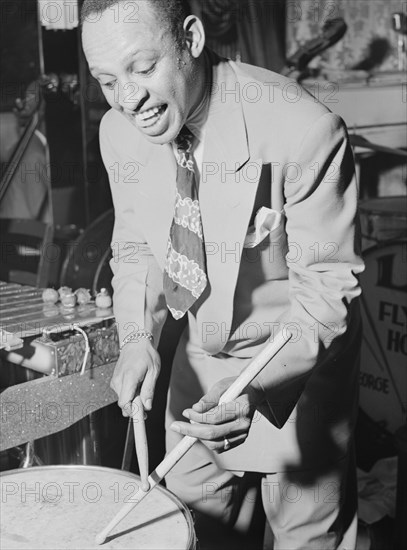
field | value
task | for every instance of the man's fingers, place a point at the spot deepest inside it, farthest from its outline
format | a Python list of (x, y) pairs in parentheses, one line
[(128, 390), (206, 403), (227, 412), (133, 375), (208, 433), (219, 446), (148, 387), (211, 398), (116, 380)]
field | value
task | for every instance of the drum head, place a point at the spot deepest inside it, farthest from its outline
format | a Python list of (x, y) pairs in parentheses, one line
[(383, 373), (63, 507)]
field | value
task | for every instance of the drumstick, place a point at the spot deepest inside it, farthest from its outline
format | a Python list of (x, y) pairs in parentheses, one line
[(245, 377), (140, 440)]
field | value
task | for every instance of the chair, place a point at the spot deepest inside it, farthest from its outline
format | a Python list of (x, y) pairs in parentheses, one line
[(26, 252)]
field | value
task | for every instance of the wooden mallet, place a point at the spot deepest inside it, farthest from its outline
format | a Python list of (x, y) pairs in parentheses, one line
[(249, 373)]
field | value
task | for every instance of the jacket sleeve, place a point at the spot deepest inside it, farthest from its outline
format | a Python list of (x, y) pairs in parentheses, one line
[(138, 300), (321, 198)]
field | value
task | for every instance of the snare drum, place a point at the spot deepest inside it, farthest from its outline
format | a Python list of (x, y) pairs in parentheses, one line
[(63, 507)]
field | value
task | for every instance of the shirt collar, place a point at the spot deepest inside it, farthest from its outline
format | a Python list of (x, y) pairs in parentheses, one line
[(197, 119)]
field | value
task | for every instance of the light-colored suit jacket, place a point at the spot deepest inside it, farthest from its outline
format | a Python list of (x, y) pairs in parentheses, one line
[(268, 143)]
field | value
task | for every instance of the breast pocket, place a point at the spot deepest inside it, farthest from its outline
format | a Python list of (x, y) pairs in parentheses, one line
[(266, 258), (266, 221)]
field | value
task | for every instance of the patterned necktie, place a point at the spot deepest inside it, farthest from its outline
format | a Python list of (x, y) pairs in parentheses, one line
[(185, 267)]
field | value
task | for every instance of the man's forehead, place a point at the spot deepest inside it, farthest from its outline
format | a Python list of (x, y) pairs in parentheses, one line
[(113, 31), (128, 12)]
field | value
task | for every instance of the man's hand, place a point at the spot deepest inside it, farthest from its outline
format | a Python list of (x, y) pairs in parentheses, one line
[(136, 371), (212, 423)]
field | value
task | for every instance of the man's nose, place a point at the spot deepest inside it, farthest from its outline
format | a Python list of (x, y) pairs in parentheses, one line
[(131, 94)]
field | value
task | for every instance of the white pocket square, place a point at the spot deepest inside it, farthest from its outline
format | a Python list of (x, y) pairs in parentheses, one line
[(266, 220)]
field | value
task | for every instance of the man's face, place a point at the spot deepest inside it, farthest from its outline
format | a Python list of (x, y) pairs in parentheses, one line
[(141, 72)]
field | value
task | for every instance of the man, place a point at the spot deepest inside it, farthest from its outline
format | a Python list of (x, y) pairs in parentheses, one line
[(275, 205)]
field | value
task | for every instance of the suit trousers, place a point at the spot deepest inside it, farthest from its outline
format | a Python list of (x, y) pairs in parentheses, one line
[(309, 509)]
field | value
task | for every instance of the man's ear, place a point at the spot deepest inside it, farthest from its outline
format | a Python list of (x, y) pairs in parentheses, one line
[(194, 35)]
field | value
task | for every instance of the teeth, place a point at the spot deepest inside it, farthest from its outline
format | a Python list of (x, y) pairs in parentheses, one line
[(148, 114)]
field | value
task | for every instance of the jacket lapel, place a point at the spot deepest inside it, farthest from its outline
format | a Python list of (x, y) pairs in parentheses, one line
[(229, 180), (227, 191)]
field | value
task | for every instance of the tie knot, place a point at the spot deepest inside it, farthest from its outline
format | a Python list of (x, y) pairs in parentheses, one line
[(182, 146), (184, 140)]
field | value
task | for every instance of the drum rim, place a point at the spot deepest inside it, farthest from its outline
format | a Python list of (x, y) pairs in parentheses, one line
[(181, 505)]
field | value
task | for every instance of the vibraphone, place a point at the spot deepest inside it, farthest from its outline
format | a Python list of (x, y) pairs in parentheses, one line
[(75, 350)]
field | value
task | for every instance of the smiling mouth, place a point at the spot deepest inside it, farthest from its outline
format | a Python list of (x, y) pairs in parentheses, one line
[(149, 117)]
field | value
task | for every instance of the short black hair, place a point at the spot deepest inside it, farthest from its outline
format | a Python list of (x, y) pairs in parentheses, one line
[(171, 12)]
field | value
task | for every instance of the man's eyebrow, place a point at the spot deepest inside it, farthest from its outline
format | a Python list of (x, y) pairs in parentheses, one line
[(132, 54), (128, 57), (96, 72)]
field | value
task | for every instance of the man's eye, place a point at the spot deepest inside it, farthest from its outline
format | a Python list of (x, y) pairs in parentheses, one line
[(147, 71), (109, 85)]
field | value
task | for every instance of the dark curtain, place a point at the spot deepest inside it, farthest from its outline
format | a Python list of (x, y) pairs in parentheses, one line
[(252, 31)]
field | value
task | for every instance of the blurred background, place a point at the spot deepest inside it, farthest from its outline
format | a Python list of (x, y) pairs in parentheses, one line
[(54, 196)]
